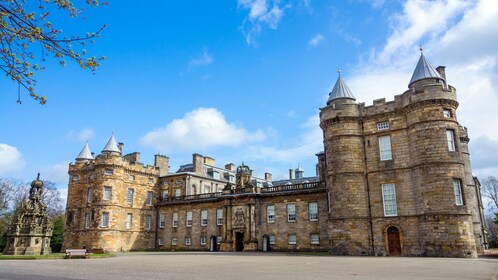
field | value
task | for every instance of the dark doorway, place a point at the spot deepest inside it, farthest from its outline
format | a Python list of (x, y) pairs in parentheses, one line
[(265, 243), (239, 241), (213, 244), (393, 241)]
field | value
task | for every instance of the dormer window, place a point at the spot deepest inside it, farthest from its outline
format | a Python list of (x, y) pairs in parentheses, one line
[(383, 126), (216, 175)]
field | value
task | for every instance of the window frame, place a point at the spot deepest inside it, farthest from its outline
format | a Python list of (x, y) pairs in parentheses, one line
[(292, 239), (203, 240), (219, 216), (450, 139), (160, 241), (188, 241), (105, 220), (162, 220), (383, 126), (313, 215), (271, 239), (204, 217), (291, 213), (385, 148), (130, 193), (107, 196), (174, 220), (89, 195), (148, 222), (87, 221), (188, 218), (458, 192), (129, 221), (174, 241), (316, 240), (149, 198), (390, 209), (270, 214)]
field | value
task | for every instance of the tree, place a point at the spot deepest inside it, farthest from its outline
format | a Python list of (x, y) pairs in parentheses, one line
[(10, 189), (489, 189), (57, 233), (28, 37)]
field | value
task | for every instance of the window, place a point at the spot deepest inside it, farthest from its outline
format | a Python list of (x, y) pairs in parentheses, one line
[(148, 220), (188, 241), (204, 218), (270, 213), (447, 113), (148, 201), (107, 193), (450, 136), (219, 217), (91, 177), (457, 189), (178, 181), (385, 148), (203, 240), (272, 239), (188, 221), (315, 239), (160, 241), (231, 178), (151, 180), (218, 239), (175, 219), (162, 220), (313, 211), (216, 175), (87, 220), (165, 194), (178, 192), (207, 189), (105, 219), (174, 241), (131, 177), (129, 219), (382, 126), (291, 212), (75, 178), (89, 195), (108, 172), (389, 199), (129, 196), (292, 239)]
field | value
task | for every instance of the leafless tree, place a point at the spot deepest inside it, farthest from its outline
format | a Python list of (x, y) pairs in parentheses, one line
[(489, 188), (10, 189)]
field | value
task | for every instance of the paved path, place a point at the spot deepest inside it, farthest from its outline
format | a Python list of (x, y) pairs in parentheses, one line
[(240, 266)]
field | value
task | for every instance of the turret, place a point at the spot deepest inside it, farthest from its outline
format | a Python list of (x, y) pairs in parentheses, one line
[(85, 154), (112, 147)]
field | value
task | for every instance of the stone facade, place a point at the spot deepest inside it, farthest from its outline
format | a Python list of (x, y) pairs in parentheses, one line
[(394, 179), (30, 230), (423, 164)]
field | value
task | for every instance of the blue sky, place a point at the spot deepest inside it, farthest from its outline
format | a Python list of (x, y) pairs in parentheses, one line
[(244, 80)]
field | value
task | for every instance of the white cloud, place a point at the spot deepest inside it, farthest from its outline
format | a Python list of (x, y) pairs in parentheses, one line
[(316, 40), (459, 34), (11, 160), (308, 144), (199, 129), (203, 60), (81, 136), (56, 173), (261, 14)]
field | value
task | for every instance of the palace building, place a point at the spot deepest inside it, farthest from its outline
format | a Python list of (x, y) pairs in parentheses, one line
[(394, 178)]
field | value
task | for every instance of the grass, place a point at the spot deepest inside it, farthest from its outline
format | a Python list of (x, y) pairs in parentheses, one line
[(51, 256)]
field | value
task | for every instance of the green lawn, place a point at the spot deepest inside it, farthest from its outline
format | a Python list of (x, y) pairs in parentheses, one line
[(51, 256)]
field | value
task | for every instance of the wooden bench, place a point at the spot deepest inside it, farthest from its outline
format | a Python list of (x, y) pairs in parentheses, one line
[(76, 253)]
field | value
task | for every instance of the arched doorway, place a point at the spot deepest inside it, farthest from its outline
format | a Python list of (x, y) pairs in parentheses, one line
[(239, 241), (393, 241)]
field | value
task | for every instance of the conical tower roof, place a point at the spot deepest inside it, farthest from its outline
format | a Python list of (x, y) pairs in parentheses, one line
[(111, 146), (85, 154), (424, 70), (340, 90)]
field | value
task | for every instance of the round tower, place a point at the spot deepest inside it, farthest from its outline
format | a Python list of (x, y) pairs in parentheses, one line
[(441, 176), (349, 228)]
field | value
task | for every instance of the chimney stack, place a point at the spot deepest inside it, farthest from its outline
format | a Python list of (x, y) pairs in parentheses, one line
[(291, 173), (120, 146)]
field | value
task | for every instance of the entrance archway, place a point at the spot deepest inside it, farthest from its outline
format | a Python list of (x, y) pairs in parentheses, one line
[(213, 244), (393, 241), (239, 241)]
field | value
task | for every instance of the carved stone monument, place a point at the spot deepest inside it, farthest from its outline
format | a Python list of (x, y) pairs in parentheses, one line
[(30, 230)]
